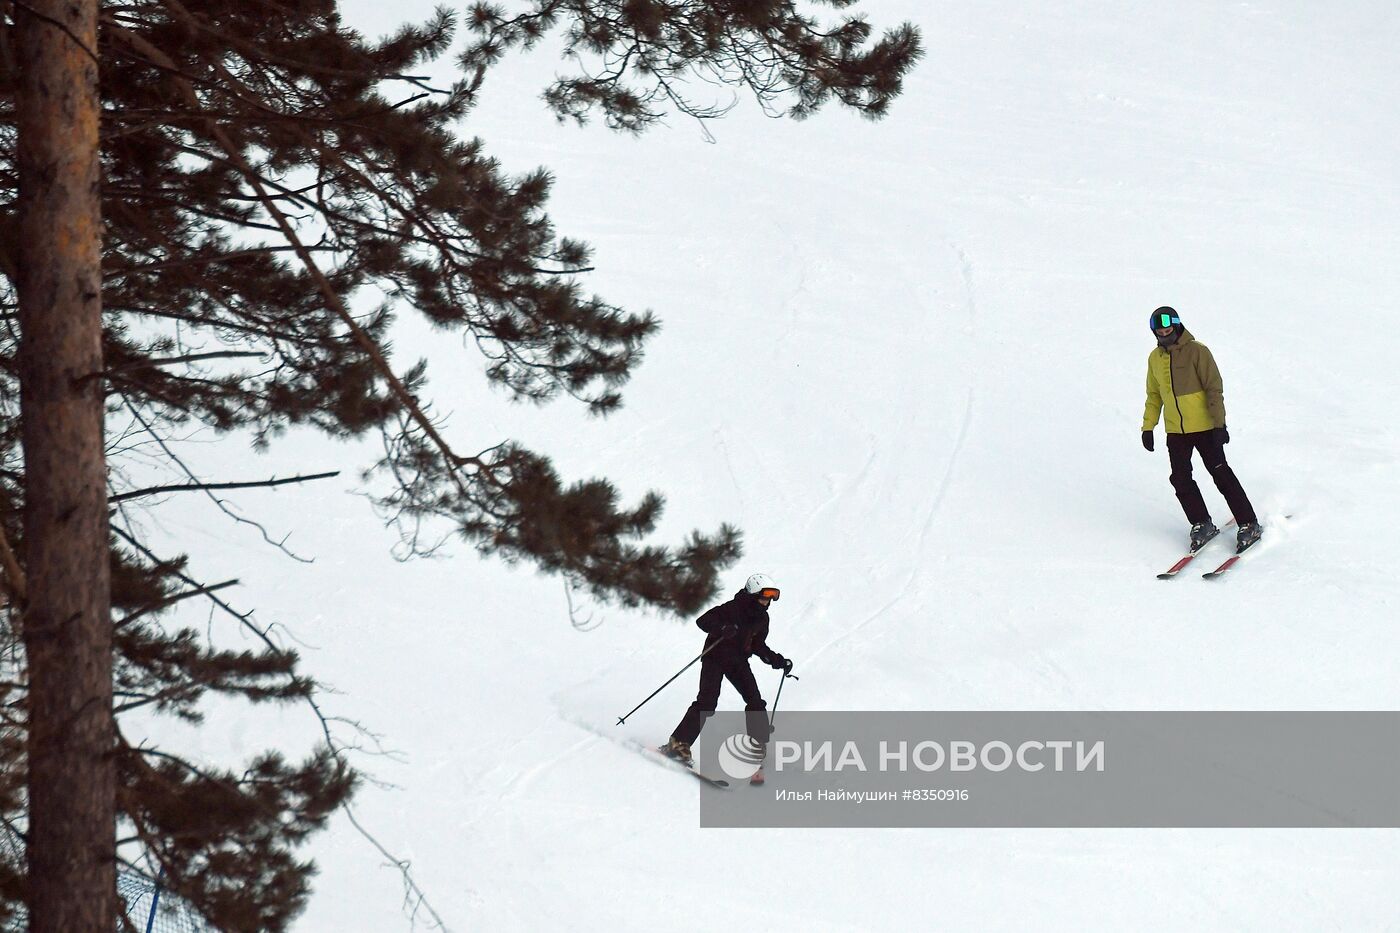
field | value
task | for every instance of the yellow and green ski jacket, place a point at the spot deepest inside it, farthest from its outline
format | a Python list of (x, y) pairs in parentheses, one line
[(1184, 381)]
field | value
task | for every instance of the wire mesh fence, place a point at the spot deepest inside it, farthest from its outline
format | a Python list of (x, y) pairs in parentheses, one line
[(157, 911), (147, 908)]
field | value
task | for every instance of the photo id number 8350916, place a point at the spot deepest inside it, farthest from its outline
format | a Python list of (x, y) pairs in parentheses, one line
[(936, 794)]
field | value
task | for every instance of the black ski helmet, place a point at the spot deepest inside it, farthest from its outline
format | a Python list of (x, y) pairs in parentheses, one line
[(1164, 317)]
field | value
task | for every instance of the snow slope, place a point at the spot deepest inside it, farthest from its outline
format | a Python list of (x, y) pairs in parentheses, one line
[(907, 358)]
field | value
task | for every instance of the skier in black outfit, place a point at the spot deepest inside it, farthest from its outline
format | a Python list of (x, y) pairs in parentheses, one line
[(736, 630)]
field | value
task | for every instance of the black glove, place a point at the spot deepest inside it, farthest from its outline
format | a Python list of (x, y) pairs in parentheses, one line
[(787, 665), (1222, 435), (780, 663), (1146, 440)]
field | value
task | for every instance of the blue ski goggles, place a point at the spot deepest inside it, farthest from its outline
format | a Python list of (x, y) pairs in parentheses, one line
[(1160, 321)]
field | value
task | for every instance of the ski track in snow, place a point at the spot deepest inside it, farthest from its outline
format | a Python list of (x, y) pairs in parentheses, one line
[(839, 493), (523, 780), (918, 565), (930, 516), (729, 465), (946, 482)]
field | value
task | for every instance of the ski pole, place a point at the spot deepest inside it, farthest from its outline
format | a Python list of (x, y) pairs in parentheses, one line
[(778, 697), (623, 719)]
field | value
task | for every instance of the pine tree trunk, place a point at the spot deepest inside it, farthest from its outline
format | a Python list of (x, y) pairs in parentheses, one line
[(66, 616)]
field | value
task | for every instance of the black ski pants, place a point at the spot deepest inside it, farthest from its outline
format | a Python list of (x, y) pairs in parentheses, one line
[(1179, 448), (712, 675)]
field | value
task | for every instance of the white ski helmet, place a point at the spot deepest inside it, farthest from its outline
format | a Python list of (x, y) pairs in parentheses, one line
[(760, 584)]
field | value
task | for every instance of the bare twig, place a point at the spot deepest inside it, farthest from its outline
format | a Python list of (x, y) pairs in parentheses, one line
[(189, 358), (413, 895), (187, 487), (61, 26), (171, 600), (222, 506), (583, 625)]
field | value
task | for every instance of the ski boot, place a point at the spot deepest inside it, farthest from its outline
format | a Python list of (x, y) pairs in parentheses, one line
[(1250, 532), (1202, 532), (680, 751)]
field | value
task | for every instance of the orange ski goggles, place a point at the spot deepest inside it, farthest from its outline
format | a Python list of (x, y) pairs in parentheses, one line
[(769, 592)]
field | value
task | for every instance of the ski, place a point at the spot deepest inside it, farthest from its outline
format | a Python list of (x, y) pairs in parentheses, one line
[(1177, 567), (690, 769), (1219, 571), (1229, 562), (1180, 565)]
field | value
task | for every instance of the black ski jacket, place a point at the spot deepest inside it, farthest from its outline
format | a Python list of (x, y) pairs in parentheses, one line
[(749, 618)]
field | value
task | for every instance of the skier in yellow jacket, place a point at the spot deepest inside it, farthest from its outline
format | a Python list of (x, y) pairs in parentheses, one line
[(1184, 383)]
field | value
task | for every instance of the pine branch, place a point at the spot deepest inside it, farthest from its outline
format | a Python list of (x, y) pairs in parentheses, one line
[(206, 260), (328, 292), (245, 619)]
